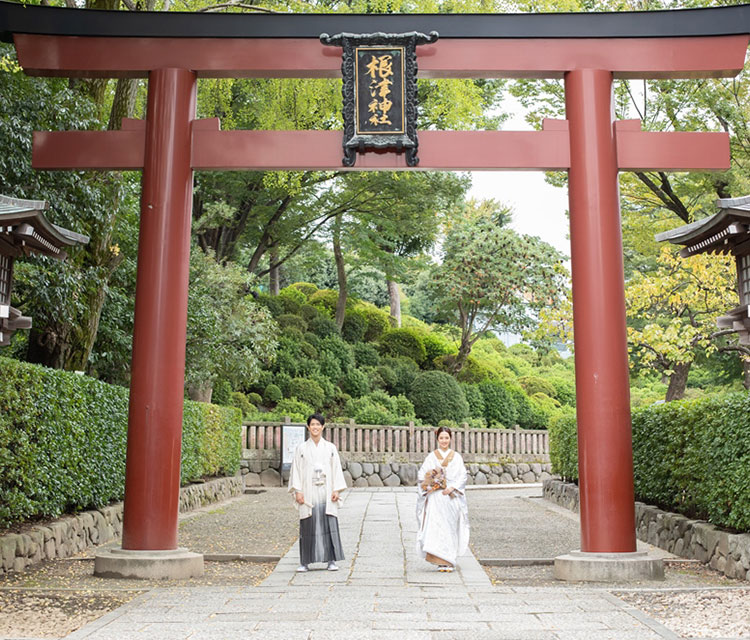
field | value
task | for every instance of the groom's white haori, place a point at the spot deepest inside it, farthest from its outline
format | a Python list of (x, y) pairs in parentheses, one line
[(307, 456), (443, 520)]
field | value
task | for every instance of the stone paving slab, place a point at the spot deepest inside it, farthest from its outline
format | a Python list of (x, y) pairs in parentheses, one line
[(382, 590)]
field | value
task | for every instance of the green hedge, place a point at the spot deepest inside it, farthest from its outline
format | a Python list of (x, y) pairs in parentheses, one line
[(690, 456), (63, 438)]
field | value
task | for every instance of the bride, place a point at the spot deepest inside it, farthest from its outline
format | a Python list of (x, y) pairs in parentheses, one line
[(442, 514)]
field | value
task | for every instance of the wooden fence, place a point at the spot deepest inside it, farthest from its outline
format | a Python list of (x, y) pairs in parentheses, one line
[(409, 440)]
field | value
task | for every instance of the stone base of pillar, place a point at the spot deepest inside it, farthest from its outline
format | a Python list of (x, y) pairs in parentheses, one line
[(173, 564), (578, 566)]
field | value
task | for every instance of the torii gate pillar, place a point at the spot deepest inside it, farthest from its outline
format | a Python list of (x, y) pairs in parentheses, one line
[(152, 471)]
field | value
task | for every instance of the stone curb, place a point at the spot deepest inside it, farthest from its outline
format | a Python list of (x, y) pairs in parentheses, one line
[(728, 553), (73, 534)]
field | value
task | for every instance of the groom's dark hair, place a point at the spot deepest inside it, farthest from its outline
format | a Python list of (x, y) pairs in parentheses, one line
[(316, 416)]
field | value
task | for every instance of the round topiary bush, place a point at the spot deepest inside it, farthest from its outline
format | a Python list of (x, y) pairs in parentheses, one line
[(272, 394), (308, 312), (243, 402), (403, 342), (290, 304), (307, 391), (221, 393), (436, 396), (365, 355), (272, 303), (340, 349), (499, 405), (535, 384), (292, 320), (354, 327), (474, 398), (323, 327), (293, 293), (356, 383), (305, 288), (294, 409), (406, 370), (329, 365), (325, 300), (435, 346), (378, 321), (255, 398)]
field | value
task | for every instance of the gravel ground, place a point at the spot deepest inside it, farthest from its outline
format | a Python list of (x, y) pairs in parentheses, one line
[(693, 600)]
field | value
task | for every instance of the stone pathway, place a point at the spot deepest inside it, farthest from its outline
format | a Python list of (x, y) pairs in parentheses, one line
[(382, 590)]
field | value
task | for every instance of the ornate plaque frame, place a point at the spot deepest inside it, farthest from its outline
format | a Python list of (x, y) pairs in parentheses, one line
[(404, 138)]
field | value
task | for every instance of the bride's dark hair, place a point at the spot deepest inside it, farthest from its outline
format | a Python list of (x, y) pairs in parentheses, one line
[(441, 429)]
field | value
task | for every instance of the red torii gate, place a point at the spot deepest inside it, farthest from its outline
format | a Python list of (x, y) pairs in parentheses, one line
[(587, 50)]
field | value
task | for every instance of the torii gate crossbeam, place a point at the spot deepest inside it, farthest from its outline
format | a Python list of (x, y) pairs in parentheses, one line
[(173, 50)]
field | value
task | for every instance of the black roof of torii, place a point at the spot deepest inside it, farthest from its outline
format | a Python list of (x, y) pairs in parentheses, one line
[(32, 19)]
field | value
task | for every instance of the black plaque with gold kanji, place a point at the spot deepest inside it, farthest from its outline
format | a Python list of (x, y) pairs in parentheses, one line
[(379, 91)]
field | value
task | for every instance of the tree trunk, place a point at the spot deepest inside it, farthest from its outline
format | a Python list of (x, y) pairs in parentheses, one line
[(273, 272), (200, 392), (746, 372), (340, 273), (395, 298), (678, 381)]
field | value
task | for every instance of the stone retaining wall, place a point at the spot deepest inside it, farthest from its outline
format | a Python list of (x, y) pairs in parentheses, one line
[(72, 534), (397, 474), (726, 552)]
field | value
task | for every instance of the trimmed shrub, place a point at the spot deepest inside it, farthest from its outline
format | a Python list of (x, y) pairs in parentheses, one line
[(475, 399), (283, 380), (292, 320), (565, 389), (436, 345), (323, 327), (524, 409), (221, 393), (356, 383), (436, 396), (325, 301), (293, 333), (63, 437), (294, 294), (499, 405), (308, 312), (340, 349), (473, 371), (378, 321), (388, 376), (272, 303), (365, 355), (535, 384), (255, 398), (243, 402), (330, 365), (404, 409), (403, 342), (290, 304), (354, 327), (306, 390), (305, 288), (406, 370), (272, 394), (308, 350), (312, 339), (563, 445), (294, 409)]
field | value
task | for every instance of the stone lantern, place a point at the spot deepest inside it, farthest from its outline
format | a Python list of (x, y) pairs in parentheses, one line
[(728, 232), (25, 230)]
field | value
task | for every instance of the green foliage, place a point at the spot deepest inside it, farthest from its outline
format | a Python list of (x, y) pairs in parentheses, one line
[(499, 404), (563, 445), (354, 327), (340, 350), (294, 409), (365, 355), (403, 342), (377, 321), (525, 417), (435, 346), (475, 399), (272, 394), (292, 320), (536, 384), (323, 327), (294, 293), (305, 288), (325, 301), (565, 389), (405, 370), (272, 303), (436, 396), (222, 392), (63, 437), (380, 408), (356, 383), (254, 398), (308, 391), (308, 312), (473, 371)]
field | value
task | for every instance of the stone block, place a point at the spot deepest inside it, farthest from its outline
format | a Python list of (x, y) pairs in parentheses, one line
[(528, 477), (484, 468), (480, 478), (506, 478), (512, 469), (368, 468), (374, 481), (472, 468), (536, 468), (523, 468), (407, 473), (270, 478), (679, 547), (361, 482), (8, 544), (385, 471), (348, 478), (395, 467), (493, 478), (355, 469), (392, 481), (252, 480), (544, 476)]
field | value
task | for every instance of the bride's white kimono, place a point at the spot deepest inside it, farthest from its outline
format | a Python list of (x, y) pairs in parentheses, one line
[(443, 521)]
